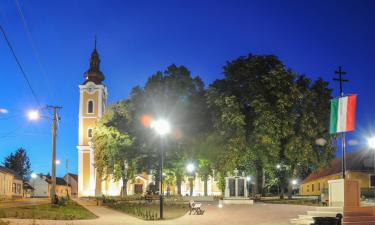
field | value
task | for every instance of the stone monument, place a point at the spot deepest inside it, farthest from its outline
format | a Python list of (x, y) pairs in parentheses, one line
[(236, 189)]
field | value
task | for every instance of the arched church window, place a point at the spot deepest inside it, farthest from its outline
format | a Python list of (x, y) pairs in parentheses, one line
[(89, 133), (90, 106)]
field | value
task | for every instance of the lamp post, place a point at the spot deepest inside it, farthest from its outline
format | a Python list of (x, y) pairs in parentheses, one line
[(294, 183), (371, 145), (162, 128), (35, 115), (33, 176), (248, 180), (190, 169)]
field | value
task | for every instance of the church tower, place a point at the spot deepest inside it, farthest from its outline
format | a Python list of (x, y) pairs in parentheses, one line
[(92, 103)]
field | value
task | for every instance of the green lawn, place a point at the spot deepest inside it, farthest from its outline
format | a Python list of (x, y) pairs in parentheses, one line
[(151, 211), (70, 211)]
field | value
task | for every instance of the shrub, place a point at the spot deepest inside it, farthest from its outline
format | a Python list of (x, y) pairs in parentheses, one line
[(4, 222), (2, 214), (61, 201)]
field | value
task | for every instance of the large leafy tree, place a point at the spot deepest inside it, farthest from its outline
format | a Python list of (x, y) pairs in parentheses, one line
[(115, 154), (279, 115), (19, 162), (180, 98)]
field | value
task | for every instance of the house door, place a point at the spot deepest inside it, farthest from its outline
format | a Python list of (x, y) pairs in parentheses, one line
[(138, 188)]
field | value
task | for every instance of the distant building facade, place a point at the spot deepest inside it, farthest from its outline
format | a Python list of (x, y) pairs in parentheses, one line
[(42, 184), (11, 184), (359, 165), (72, 180)]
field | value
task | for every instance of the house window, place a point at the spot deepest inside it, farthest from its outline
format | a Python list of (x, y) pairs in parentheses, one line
[(90, 106), (18, 188), (372, 180), (89, 133), (318, 186), (312, 188), (14, 188)]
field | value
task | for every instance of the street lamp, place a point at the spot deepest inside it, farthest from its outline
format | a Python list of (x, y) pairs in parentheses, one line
[(57, 162), (162, 128), (34, 115), (371, 142), (190, 169), (33, 176)]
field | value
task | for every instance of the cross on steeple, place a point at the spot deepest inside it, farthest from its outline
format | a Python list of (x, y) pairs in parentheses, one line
[(95, 42), (340, 72)]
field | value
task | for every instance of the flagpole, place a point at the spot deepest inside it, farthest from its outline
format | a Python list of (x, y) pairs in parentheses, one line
[(340, 72)]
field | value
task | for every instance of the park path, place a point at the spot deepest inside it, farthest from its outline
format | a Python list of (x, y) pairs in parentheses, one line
[(257, 214)]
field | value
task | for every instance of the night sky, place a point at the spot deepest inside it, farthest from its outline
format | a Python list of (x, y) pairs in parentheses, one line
[(136, 39)]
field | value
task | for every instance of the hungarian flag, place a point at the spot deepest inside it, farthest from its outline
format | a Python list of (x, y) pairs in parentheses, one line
[(343, 114)]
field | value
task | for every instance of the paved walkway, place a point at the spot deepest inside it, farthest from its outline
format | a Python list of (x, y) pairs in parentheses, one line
[(258, 214)]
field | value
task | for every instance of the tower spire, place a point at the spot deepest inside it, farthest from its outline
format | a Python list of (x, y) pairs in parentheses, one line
[(93, 73), (95, 42)]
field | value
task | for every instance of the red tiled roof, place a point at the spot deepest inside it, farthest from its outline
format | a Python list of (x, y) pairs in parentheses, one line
[(360, 160)]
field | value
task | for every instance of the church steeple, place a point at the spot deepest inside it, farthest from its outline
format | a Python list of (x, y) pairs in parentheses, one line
[(93, 73)]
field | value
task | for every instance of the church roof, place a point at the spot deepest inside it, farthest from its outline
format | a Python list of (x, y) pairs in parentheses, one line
[(94, 74), (357, 161)]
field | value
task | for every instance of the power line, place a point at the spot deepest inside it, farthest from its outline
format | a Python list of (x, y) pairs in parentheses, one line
[(33, 46), (20, 66)]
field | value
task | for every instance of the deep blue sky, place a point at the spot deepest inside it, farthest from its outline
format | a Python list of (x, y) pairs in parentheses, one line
[(137, 38)]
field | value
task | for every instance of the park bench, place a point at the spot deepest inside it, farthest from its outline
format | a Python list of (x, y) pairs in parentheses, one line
[(149, 197), (195, 208)]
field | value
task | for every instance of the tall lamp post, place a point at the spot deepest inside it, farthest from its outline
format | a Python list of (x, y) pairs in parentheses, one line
[(34, 115), (190, 168), (371, 145), (162, 128), (33, 176)]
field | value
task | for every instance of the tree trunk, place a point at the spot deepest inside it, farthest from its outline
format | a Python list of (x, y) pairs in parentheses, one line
[(98, 185), (124, 189), (205, 185), (191, 186), (178, 183), (258, 183), (290, 191)]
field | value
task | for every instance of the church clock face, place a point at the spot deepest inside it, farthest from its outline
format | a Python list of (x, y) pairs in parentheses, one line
[(91, 89)]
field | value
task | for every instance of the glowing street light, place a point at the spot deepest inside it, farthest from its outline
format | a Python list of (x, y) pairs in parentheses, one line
[(162, 127), (58, 162), (248, 178), (278, 166), (33, 115), (371, 142), (294, 182), (190, 167)]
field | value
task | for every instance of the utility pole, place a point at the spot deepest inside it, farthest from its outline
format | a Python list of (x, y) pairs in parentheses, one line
[(341, 80), (67, 178), (54, 129)]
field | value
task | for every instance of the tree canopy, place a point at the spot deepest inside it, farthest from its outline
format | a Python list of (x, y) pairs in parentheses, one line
[(19, 162), (261, 114)]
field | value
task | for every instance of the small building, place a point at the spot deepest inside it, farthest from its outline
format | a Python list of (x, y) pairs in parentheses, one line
[(42, 185), (72, 180), (359, 165), (11, 184)]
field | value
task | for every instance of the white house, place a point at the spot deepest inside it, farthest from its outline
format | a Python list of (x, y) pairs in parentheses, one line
[(42, 186)]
